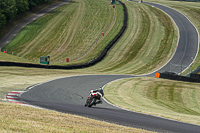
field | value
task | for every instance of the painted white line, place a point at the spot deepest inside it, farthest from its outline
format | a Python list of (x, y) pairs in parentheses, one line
[(179, 35), (14, 95), (142, 113)]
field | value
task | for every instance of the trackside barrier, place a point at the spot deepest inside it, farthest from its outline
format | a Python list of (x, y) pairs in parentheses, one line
[(173, 76), (196, 76), (99, 58), (194, 72)]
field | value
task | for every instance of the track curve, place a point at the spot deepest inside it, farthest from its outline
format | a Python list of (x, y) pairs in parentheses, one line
[(69, 94), (188, 44)]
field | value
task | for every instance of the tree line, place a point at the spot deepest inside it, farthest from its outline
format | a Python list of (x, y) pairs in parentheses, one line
[(10, 8)]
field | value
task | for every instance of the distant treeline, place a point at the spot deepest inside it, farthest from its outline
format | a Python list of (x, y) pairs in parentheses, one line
[(10, 8)]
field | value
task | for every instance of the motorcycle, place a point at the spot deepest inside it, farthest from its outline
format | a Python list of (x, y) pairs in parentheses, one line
[(92, 98)]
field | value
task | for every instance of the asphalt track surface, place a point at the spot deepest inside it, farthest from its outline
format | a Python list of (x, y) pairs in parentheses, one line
[(69, 94), (188, 44)]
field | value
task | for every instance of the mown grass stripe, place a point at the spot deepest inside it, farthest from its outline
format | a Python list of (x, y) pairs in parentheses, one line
[(142, 37), (146, 56), (93, 17), (166, 98)]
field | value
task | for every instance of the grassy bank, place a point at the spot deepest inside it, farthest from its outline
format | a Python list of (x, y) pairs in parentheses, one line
[(10, 57), (10, 24), (17, 118), (147, 44), (68, 32), (160, 97)]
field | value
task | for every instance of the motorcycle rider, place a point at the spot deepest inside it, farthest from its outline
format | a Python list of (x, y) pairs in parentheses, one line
[(100, 91)]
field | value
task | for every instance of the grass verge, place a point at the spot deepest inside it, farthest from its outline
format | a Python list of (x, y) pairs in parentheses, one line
[(160, 97), (17, 118), (146, 45), (9, 57)]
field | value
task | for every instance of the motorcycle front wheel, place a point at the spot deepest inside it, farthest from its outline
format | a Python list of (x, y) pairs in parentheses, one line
[(92, 101)]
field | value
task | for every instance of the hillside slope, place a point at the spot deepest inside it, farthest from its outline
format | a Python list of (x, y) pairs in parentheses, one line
[(66, 32)]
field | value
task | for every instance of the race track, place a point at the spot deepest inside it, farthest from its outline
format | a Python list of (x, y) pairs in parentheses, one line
[(188, 44), (69, 94)]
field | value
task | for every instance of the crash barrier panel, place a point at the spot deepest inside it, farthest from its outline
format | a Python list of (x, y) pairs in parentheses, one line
[(173, 76), (96, 60), (196, 76), (194, 72)]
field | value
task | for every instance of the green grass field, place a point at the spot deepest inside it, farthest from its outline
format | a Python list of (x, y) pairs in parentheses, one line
[(10, 57), (68, 32), (30, 120), (149, 32), (165, 98), (147, 44)]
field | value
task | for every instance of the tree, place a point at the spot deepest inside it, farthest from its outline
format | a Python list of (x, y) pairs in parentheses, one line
[(2, 19), (8, 8), (45, 1), (22, 6), (33, 3)]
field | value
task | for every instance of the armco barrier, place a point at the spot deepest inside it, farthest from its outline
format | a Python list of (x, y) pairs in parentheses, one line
[(99, 58), (196, 76), (173, 76), (194, 72)]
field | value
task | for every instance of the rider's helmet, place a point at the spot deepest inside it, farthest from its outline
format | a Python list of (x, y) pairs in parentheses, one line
[(91, 91)]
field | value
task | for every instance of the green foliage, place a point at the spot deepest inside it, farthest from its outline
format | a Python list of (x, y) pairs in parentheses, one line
[(2, 19), (22, 6), (33, 3), (10, 8)]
